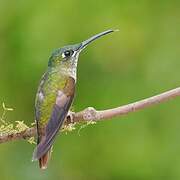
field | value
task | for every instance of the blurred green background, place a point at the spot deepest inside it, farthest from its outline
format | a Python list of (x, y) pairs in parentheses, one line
[(141, 60)]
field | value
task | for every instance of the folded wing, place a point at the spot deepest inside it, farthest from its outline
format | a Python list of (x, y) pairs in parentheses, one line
[(59, 112)]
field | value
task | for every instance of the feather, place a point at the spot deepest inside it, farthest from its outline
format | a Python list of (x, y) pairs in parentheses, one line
[(43, 161), (58, 115)]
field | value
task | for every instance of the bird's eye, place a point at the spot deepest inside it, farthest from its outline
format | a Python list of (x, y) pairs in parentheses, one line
[(67, 53)]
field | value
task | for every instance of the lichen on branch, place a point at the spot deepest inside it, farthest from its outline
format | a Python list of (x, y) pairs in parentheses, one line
[(7, 128), (11, 132)]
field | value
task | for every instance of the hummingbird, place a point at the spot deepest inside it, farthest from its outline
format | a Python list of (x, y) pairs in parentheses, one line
[(55, 95)]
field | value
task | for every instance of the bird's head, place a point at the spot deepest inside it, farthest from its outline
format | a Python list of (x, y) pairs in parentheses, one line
[(68, 55)]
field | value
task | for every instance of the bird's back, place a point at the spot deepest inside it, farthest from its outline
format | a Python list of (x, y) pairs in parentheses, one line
[(50, 83)]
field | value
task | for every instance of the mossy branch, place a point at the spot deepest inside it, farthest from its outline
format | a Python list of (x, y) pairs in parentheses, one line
[(92, 115)]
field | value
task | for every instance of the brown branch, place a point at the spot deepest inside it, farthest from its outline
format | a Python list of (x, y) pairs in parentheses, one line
[(91, 114)]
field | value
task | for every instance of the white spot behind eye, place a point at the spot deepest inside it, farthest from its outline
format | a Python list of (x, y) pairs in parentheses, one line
[(63, 55)]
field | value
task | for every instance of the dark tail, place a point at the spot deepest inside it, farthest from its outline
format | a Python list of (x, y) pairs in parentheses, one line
[(43, 161)]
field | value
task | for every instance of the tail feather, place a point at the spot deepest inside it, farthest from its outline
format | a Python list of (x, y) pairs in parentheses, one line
[(43, 161)]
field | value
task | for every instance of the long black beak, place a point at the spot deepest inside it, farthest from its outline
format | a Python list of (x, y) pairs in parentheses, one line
[(91, 39)]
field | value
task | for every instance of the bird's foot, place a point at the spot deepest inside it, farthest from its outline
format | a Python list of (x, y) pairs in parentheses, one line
[(70, 117)]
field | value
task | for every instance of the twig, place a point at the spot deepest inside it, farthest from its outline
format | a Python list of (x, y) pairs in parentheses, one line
[(91, 114)]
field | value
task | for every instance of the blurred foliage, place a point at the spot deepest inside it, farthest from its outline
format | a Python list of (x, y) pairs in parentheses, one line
[(140, 60)]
